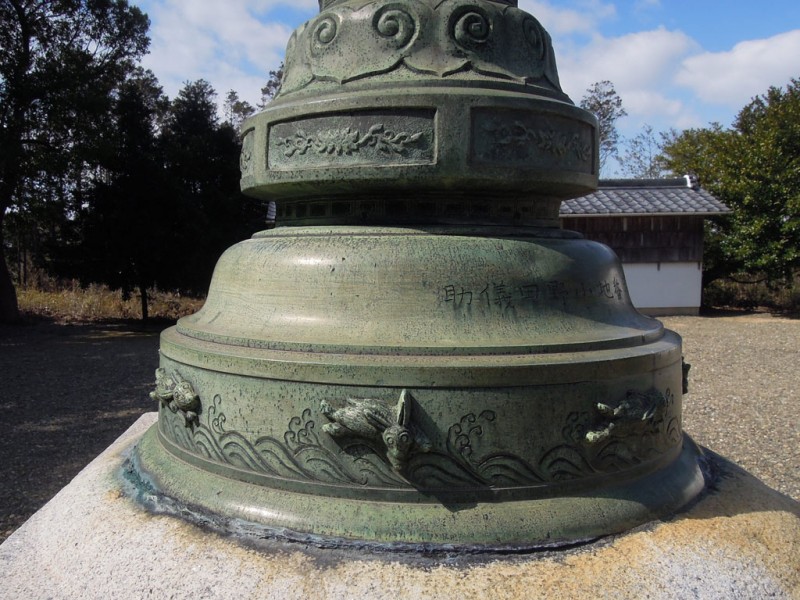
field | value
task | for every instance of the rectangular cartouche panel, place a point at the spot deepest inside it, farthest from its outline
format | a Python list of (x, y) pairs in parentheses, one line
[(530, 140), (363, 138)]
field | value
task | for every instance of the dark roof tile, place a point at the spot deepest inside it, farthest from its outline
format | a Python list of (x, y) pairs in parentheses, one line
[(645, 197)]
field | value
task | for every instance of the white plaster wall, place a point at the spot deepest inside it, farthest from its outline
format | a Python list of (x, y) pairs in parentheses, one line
[(664, 285)]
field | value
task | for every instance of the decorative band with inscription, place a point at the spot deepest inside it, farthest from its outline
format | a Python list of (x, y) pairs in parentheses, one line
[(357, 139), (506, 150), (524, 139), (246, 157)]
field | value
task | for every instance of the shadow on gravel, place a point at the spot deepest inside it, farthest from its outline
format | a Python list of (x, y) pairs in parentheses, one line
[(740, 312), (67, 391)]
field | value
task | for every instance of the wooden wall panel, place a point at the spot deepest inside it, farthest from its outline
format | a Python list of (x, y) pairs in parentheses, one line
[(645, 239)]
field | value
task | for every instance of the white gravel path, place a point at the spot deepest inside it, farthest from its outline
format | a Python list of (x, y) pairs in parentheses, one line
[(744, 392)]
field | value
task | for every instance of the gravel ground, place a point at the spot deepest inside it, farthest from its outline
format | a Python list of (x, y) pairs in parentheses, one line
[(744, 392), (69, 391)]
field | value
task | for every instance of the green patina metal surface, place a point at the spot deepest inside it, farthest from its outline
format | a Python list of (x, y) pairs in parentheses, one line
[(420, 354)]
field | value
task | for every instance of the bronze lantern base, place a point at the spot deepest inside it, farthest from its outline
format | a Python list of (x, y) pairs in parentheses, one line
[(434, 385)]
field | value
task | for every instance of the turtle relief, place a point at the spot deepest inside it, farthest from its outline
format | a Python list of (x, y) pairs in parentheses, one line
[(175, 393)]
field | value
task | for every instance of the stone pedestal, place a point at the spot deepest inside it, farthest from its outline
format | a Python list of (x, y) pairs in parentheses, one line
[(739, 540)]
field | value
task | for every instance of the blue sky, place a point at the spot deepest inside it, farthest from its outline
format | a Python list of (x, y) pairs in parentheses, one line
[(675, 63)]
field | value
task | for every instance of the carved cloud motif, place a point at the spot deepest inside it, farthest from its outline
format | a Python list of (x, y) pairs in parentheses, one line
[(431, 39)]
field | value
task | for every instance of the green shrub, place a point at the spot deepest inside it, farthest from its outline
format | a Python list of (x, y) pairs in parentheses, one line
[(750, 294)]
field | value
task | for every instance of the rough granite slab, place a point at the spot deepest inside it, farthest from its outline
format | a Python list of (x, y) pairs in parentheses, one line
[(91, 541)]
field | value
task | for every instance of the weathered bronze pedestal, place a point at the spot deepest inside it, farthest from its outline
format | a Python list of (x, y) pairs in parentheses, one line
[(420, 354)]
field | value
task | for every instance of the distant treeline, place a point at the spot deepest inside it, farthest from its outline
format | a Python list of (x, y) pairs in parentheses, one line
[(103, 178)]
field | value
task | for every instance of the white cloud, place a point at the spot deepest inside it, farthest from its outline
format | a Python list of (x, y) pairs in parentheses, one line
[(232, 45), (645, 103), (566, 21), (658, 108), (642, 66), (663, 76), (732, 78), (632, 62)]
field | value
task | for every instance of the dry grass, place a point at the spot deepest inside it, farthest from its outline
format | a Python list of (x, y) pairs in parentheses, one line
[(68, 302)]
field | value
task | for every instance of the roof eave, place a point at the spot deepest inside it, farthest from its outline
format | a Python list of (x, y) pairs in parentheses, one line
[(647, 214)]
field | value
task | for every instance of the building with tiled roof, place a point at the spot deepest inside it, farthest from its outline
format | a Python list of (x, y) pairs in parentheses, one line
[(656, 228)]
